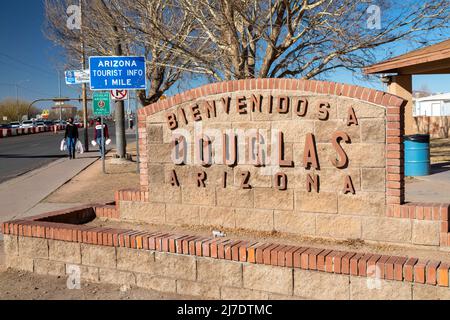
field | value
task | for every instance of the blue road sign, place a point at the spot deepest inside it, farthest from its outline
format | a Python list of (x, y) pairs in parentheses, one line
[(77, 76), (117, 73)]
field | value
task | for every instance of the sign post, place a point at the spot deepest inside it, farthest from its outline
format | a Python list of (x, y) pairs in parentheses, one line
[(118, 73), (102, 107)]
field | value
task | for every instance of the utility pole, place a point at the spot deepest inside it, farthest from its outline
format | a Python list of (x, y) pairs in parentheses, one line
[(61, 105), (121, 142), (17, 102), (138, 152), (83, 86)]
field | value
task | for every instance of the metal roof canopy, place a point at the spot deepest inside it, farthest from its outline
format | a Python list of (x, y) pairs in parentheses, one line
[(433, 59)]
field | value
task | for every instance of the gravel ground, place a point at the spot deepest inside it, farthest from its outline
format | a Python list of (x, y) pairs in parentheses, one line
[(26, 286)]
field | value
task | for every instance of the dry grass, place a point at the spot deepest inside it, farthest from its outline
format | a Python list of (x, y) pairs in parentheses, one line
[(440, 150)]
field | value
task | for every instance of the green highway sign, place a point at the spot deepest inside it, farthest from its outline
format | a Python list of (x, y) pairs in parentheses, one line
[(101, 104)]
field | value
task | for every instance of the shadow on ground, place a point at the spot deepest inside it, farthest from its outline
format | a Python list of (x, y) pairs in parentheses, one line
[(440, 167)]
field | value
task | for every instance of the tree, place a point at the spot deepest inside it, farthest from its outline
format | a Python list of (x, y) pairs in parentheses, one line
[(424, 91), (302, 38), (14, 110), (107, 24), (238, 39)]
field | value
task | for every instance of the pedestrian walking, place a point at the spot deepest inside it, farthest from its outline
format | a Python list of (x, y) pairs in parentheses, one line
[(71, 137), (131, 123), (98, 135)]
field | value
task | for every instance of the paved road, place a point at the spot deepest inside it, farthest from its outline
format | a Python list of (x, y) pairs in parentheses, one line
[(22, 154)]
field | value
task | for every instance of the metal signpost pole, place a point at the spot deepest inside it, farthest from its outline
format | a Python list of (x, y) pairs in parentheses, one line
[(103, 146), (102, 108), (120, 129)]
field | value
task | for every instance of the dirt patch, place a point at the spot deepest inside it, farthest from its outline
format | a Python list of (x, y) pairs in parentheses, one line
[(26, 286), (411, 180), (2, 258), (92, 186), (286, 239)]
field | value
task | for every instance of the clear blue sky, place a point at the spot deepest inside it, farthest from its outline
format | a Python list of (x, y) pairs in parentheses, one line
[(27, 58)]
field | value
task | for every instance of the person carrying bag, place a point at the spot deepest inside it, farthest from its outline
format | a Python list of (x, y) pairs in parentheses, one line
[(98, 136), (71, 137)]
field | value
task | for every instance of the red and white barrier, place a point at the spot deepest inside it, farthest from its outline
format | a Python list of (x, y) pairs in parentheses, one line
[(5, 133)]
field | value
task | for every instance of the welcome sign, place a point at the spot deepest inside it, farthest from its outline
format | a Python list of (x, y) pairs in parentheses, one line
[(266, 156), (225, 147)]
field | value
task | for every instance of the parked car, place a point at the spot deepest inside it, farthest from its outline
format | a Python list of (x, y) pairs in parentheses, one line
[(5, 126), (60, 122), (40, 124), (27, 124), (15, 125)]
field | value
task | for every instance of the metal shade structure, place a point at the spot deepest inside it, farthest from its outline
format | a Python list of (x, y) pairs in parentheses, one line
[(434, 59)]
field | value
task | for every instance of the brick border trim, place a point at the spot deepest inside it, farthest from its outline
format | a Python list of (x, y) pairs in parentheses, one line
[(131, 195), (413, 211), (395, 192), (425, 211), (407, 269)]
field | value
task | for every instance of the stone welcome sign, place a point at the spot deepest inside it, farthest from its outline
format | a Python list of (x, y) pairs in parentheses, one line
[(303, 157), (309, 158)]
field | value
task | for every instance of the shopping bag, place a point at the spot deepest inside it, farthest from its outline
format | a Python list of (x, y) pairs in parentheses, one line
[(79, 147), (108, 142), (94, 143), (63, 146)]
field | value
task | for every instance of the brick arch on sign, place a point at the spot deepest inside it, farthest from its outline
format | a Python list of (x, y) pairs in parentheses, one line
[(395, 182)]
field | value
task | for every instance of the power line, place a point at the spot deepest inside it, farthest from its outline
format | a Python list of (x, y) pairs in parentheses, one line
[(7, 64), (48, 74), (23, 63), (27, 64), (24, 88)]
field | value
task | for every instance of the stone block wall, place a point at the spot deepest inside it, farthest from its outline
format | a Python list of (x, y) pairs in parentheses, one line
[(316, 275), (249, 196), (376, 166), (376, 212)]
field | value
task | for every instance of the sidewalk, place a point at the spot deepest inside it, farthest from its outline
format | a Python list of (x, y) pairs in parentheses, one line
[(432, 188), (20, 197)]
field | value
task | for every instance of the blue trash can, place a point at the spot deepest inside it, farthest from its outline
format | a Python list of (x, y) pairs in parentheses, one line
[(417, 155)]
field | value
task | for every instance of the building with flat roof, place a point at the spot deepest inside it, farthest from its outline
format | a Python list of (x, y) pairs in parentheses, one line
[(432, 106)]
